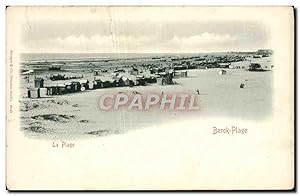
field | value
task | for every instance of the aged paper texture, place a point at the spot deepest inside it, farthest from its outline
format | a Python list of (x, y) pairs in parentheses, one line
[(150, 98)]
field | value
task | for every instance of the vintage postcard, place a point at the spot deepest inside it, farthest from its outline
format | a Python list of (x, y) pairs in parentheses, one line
[(150, 98)]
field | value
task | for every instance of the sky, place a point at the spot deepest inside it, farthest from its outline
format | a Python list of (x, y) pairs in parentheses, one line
[(145, 32)]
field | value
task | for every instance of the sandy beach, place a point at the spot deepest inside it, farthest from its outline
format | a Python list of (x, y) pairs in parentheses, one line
[(77, 115)]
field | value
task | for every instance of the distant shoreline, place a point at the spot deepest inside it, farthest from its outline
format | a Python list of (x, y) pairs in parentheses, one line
[(36, 57)]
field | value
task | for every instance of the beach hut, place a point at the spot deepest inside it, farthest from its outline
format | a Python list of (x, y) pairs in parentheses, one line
[(48, 90), (51, 90), (162, 74), (91, 86), (177, 74), (69, 88), (224, 65), (167, 77), (171, 72), (126, 81), (178, 67), (85, 84), (153, 78), (150, 79), (183, 74), (97, 83), (96, 73), (34, 93), (115, 83), (75, 86), (119, 71), (38, 82), (132, 81), (255, 67), (107, 83), (114, 76), (257, 56), (222, 72), (160, 81), (43, 92), (140, 80), (61, 89), (121, 82)]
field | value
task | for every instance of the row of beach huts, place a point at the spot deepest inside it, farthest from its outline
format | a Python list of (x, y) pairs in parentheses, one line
[(40, 90)]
